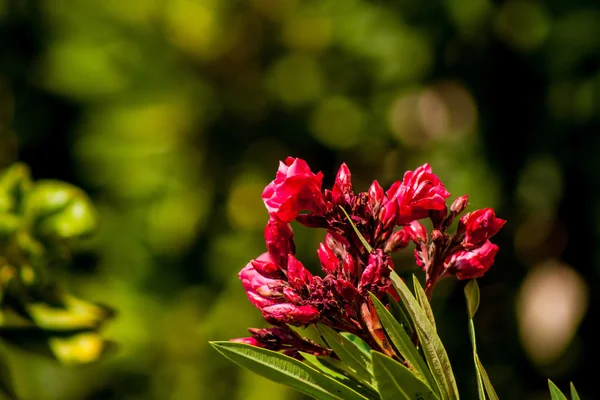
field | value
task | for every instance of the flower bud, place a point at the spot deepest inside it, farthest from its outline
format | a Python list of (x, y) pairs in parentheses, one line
[(471, 264), (342, 185), (349, 266), (376, 197), (399, 240), (265, 266), (298, 276), (479, 226), (417, 232), (329, 262), (459, 204), (290, 314)]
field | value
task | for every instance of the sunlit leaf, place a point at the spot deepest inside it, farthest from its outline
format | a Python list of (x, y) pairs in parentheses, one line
[(404, 344), (574, 394), (489, 388), (432, 346), (348, 352), (361, 344), (339, 371), (423, 301), (480, 389), (472, 295), (286, 370), (555, 392), (400, 314), (395, 381)]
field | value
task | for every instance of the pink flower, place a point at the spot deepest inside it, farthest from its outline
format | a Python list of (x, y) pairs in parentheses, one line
[(298, 277), (248, 340), (279, 238), (471, 264), (329, 261), (287, 313), (419, 192), (294, 189), (480, 225), (417, 232), (375, 277), (342, 186), (261, 291)]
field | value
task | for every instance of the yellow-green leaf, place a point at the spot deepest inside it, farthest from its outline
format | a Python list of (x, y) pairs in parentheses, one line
[(396, 382), (286, 370), (432, 346), (472, 295)]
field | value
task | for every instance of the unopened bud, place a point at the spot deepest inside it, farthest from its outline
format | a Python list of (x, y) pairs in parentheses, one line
[(376, 196), (459, 204), (399, 240)]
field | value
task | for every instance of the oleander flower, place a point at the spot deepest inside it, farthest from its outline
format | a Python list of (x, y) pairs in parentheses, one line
[(295, 188), (471, 264)]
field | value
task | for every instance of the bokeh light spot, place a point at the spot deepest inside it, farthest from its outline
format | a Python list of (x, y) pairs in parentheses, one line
[(337, 123)]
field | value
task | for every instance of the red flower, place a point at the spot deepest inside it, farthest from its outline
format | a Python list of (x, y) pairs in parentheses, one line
[(419, 192), (272, 296), (279, 238), (294, 189), (480, 225), (261, 291), (286, 313), (471, 264), (342, 186)]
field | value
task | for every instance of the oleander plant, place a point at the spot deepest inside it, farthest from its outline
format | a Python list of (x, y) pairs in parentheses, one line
[(377, 338), (39, 223)]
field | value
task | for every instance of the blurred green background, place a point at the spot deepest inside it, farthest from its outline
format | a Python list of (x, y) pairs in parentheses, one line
[(173, 114)]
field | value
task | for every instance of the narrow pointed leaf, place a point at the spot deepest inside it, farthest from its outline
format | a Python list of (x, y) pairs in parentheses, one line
[(347, 351), (404, 344), (395, 381), (399, 313), (489, 388), (358, 342), (472, 295), (286, 370), (338, 371), (480, 389), (555, 392), (423, 301), (432, 346), (574, 394)]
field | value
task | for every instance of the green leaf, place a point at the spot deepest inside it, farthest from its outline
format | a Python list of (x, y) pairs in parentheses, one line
[(395, 381), (358, 342), (404, 344), (286, 370), (423, 301), (432, 346), (347, 351), (399, 312), (338, 371), (489, 388), (574, 394), (480, 390), (555, 392), (472, 295)]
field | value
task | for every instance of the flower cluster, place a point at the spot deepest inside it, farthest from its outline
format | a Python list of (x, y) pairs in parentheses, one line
[(363, 230)]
